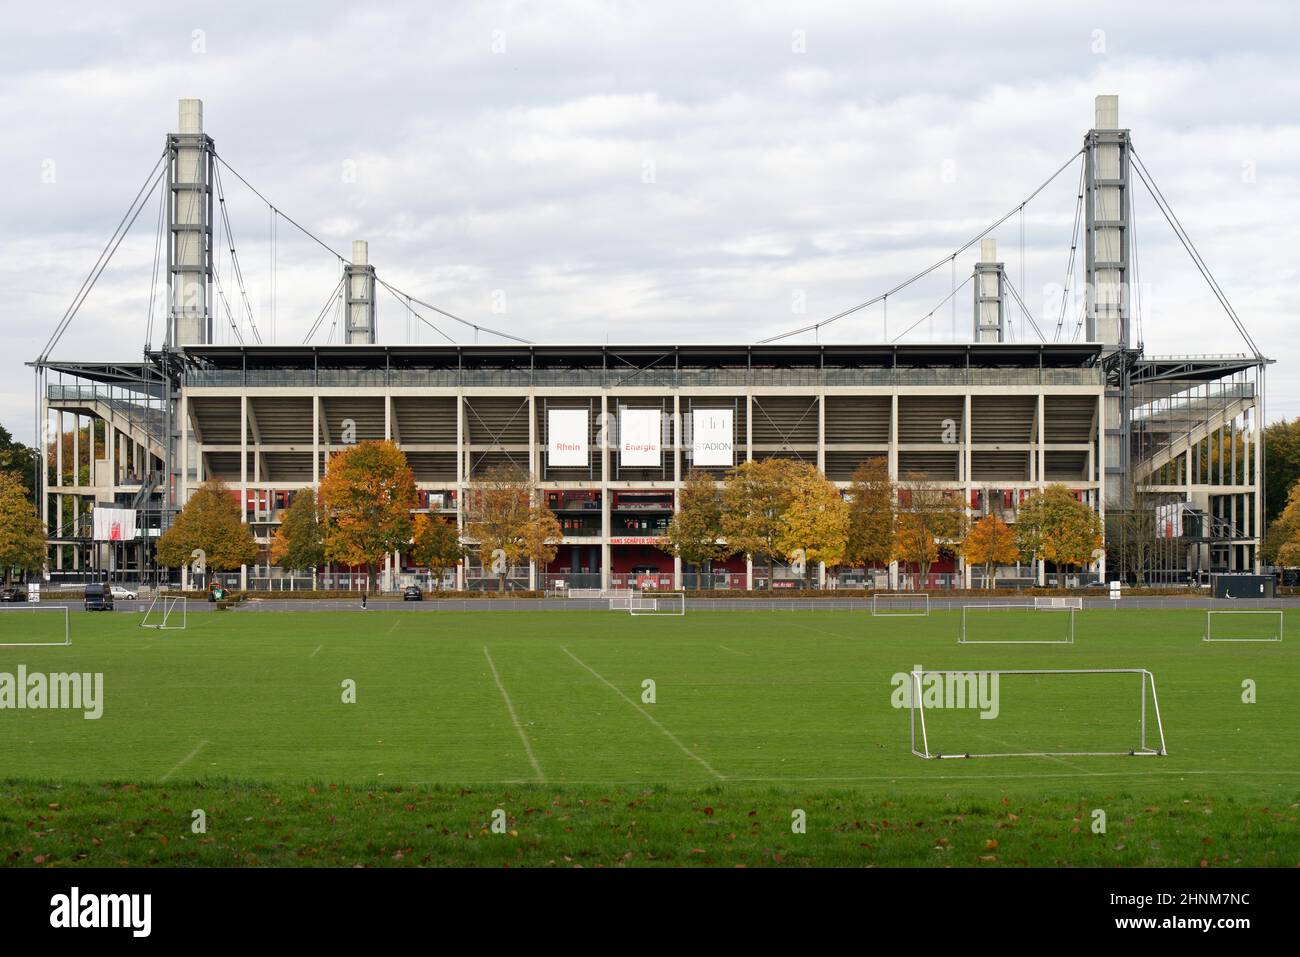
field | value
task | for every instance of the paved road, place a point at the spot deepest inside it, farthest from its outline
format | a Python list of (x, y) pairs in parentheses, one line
[(862, 605)]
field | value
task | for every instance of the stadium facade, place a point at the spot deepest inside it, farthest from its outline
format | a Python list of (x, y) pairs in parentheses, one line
[(609, 432)]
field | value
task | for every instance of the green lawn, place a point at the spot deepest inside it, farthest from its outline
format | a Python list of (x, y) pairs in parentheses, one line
[(540, 714)]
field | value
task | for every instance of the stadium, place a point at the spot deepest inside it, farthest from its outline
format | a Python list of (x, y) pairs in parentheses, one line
[(991, 419), (615, 705)]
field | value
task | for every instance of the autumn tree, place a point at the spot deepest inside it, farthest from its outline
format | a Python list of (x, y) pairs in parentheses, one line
[(211, 522), (367, 496), (990, 542), (929, 516), (815, 523), (541, 536), (1282, 544), (436, 545), (22, 536), (754, 502), (498, 511), (1052, 525), (872, 515), (695, 531), (299, 542)]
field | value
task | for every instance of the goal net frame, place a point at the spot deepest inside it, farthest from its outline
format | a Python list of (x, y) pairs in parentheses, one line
[(1143, 750), (878, 612), (168, 609), (963, 640), (1211, 612), (37, 608), (651, 604), (1057, 602)]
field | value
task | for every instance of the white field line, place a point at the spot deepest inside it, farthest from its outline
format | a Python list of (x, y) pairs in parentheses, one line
[(528, 748), (317, 651), (648, 716), (743, 654), (393, 628), (186, 760)]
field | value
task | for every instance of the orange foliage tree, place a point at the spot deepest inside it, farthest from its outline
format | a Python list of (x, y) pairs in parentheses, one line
[(366, 497)]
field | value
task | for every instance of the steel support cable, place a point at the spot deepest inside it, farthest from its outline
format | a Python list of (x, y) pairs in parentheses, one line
[(1024, 309), (234, 257), (115, 240), (289, 219), (925, 272), (411, 311), (1167, 210), (1074, 255), (157, 265), (312, 236), (443, 312), (320, 316), (939, 306)]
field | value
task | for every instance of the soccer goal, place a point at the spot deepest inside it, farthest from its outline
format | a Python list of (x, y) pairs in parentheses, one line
[(901, 606), (1056, 601), (1009, 624), (34, 626), (1260, 624), (660, 603), (1079, 712), (166, 614)]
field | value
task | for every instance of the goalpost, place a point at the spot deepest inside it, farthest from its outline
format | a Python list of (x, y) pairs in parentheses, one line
[(1260, 624), (1057, 601), (661, 603), (901, 606), (172, 616), (1043, 713), (1016, 620), (35, 626)]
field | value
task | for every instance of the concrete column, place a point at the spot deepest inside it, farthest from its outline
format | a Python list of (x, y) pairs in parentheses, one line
[(678, 443), (1258, 444), (243, 477), (58, 457), (315, 440), (460, 481), (1040, 456), (182, 493), (893, 469), (388, 417), (606, 555)]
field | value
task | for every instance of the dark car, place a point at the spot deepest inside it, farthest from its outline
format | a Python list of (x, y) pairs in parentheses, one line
[(99, 598), (13, 594), (412, 593)]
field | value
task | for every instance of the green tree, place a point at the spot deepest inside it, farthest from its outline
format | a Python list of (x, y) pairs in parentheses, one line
[(754, 502), (18, 460), (436, 545), (210, 521), (299, 542), (22, 536), (695, 532), (1053, 525), (1281, 464), (367, 496)]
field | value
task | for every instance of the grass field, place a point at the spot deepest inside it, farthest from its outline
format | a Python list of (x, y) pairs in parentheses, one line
[(541, 714)]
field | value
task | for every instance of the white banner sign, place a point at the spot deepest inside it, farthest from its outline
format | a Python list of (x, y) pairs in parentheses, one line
[(114, 524), (639, 437), (711, 437), (567, 434)]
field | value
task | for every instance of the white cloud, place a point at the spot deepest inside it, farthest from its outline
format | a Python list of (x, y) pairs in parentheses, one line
[(837, 172)]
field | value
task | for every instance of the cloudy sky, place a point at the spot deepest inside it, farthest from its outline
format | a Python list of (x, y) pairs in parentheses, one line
[(582, 171)]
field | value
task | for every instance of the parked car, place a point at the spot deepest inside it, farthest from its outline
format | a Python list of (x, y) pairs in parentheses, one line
[(13, 594), (99, 597), (412, 593), (122, 593)]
